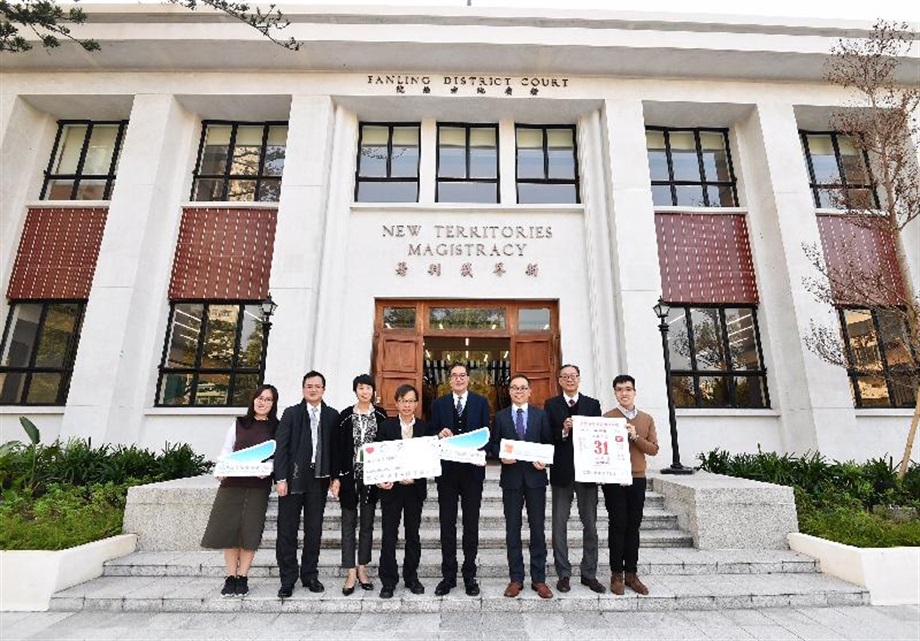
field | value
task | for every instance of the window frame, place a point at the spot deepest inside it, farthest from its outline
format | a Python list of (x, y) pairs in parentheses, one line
[(703, 183), (79, 176), (226, 176), (66, 369), (729, 374), (233, 371), (467, 127), (546, 180), (815, 187), (389, 162), (855, 373)]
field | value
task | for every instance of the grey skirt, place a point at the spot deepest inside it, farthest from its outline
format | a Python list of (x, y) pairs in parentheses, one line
[(237, 518)]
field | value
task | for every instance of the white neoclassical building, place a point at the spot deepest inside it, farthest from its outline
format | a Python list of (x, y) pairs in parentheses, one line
[(511, 189)]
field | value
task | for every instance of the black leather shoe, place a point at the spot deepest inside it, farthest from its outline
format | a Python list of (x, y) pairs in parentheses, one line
[(285, 592), (365, 586), (563, 584), (313, 585), (348, 591), (594, 585), (386, 592), (415, 587), (444, 587), (472, 588)]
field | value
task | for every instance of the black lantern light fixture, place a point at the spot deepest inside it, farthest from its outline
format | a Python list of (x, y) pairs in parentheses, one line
[(268, 309), (662, 310)]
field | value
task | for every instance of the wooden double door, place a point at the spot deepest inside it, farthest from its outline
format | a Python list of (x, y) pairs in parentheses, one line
[(415, 341)]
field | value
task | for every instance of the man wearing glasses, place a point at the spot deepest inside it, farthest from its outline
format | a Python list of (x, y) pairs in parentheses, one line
[(561, 409), (459, 412)]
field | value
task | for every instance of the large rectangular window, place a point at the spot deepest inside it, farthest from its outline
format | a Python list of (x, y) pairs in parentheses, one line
[(547, 169), (84, 160), (716, 357), (881, 367), (691, 167), (838, 172), (39, 345), (467, 163), (214, 354), (240, 162), (388, 160)]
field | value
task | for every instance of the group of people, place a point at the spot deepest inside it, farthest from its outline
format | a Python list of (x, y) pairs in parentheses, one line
[(319, 451)]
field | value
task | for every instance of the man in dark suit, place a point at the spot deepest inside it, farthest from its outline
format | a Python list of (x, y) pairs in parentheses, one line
[(561, 409), (459, 412), (523, 483), (306, 467), (403, 498)]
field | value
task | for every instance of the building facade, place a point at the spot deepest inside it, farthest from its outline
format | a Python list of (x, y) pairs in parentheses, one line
[(506, 188)]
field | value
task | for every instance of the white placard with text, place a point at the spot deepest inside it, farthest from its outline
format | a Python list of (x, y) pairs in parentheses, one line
[(526, 451), (413, 458), (601, 450)]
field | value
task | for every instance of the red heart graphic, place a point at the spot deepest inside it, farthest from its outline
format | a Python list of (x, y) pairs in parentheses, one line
[(619, 439), (369, 450)]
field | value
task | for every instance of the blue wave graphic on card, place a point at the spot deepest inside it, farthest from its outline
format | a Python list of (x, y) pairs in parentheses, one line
[(254, 454), (472, 440)]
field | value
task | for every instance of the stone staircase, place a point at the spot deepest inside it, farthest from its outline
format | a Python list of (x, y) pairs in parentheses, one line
[(678, 575)]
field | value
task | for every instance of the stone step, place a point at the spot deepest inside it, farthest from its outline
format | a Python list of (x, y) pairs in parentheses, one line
[(668, 592), (494, 537), (492, 563)]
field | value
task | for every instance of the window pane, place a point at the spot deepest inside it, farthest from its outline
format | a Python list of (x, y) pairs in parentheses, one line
[(212, 389), (707, 339), (246, 151), (683, 391), (466, 318), (251, 338), (721, 196), (216, 148), (399, 317), (467, 192), (274, 151), (269, 190), (678, 339), (684, 157), (451, 161), (482, 137), (530, 163), (742, 343), (91, 190), (175, 389), (534, 320), (893, 328), (372, 161), (661, 195), (529, 138), (562, 164), (11, 384), (903, 387), (823, 162), (863, 340), (244, 386), (857, 199), (241, 190), (60, 189), (854, 169), (57, 332), (690, 195), (404, 162), (829, 198), (529, 193), (715, 157), (873, 391), (750, 391), (71, 145), (22, 337), (209, 189), (654, 140), (220, 337), (100, 150), (658, 165), (388, 192), (44, 388), (186, 327), (483, 162), (713, 391), (560, 138)]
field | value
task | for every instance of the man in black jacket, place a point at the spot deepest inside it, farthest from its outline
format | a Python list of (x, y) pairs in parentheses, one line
[(306, 467), (561, 409)]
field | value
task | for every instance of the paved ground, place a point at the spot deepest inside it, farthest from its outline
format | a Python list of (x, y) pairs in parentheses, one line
[(863, 622)]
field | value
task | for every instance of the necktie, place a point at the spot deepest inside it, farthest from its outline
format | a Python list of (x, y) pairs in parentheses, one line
[(519, 424), (459, 406), (571, 402)]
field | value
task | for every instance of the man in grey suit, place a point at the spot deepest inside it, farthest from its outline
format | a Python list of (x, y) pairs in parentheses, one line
[(560, 410)]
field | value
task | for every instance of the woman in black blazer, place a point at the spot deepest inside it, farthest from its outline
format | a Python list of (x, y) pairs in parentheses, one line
[(358, 425), (404, 498)]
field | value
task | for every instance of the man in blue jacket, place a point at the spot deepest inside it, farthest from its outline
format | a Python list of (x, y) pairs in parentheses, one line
[(459, 412)]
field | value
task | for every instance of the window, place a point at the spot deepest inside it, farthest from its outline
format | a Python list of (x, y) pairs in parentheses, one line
[(881, 367), (547, 171), (39, 345), (838, 172), (716, 357), (691, 167), (467, 164), (214, 354), (388, 158), (240, 162), (83, 161)]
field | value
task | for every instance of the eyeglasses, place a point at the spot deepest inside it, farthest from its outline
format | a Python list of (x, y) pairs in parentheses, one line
[(407, 400), (265, 399), (459, 375), (568, 377), (518, 388)]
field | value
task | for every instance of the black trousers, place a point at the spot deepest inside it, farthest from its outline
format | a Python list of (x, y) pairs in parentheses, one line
[(396, 502), (534, 498), (467, 490), (624, 507), (312, 505)]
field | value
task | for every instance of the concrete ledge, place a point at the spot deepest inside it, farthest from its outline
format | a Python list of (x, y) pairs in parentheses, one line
[(892, 575), (724, 512), (170, 515), (29, 577)]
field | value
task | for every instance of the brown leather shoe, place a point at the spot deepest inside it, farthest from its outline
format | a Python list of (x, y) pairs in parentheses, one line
[(635, 584), (514, 588), (616, 583), (543, 590), (594, 585), (563, 584)]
